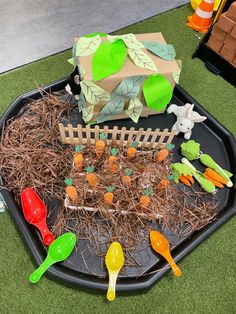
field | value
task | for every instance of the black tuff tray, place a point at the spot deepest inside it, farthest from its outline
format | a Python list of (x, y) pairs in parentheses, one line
[(214, 139)]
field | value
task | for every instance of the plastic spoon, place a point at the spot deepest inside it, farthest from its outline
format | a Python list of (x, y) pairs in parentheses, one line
[(161, 245), (114, 262), (35, 213), (58, 251)]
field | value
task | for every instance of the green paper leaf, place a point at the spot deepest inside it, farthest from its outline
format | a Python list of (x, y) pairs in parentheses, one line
[(135, 109), (129, 87), (130, 41), (81, 102), (141, 59), (176, 74), (87, 45), (113, 107), (87, 113), (95, 34), (93, 93), (108, 59), (163, 51), (71, 61), (157, 92)]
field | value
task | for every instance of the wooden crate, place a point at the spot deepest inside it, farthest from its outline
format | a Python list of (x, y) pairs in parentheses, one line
[(89, 135)]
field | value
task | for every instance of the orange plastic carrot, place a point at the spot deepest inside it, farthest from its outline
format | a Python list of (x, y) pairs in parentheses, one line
[(100, 145), (216, 183), (112, 160), (190, 178), (108, 196), (91, 177), (71, 190), (145, 199), (164, 152), (79, 158), (126, 177), (132, 150), (184, 180), (215, 176), (163, 184)]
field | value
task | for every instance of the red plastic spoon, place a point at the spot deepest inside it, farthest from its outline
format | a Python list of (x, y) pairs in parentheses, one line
[(35, 213)]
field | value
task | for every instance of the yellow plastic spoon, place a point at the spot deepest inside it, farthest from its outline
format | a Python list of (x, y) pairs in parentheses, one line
[(114, 261), (161, 245)]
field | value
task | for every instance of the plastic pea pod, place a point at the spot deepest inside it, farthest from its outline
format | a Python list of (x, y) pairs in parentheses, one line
[(207, 185), (209, 162)]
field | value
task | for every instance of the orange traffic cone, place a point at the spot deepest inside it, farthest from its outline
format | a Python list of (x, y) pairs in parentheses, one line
[(201, 20)]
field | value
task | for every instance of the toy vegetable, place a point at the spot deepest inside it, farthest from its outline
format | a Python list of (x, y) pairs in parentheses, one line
[(58, 251), (132, 150), (91, 177), (164, 152), (126, 177), (187, 180), (108, 196), (191, 150), (112, 160), (79, 158), (145, 199), (163, 183), (114, 261), (35, 213), (100, 145), (161, 245), (71, 190), (207, 185)]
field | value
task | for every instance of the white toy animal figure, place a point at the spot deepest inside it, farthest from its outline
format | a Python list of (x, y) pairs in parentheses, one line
[(186, 118)]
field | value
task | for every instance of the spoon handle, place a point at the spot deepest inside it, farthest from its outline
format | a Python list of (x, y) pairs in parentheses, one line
[(47, 236), (170, 260), (111, 292), (37, 274)]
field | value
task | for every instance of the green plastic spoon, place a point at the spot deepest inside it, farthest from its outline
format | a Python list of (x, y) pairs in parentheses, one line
[(58, 251)]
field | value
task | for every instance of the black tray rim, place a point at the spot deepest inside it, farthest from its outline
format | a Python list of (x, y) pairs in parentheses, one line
[(71, 278)]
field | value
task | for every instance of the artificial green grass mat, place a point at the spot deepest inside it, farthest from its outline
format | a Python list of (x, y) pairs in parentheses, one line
[(208, 283)]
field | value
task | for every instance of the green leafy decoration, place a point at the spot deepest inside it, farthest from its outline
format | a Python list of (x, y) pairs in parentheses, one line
[(176, 74), (157, 91), (95, 34), (81, 102), (142, 60), (130, 86), (73, 60), (163, 51), (93, 93), (108, 59), (135, 109), (87, 113), (87, 45), (130, 41), (114, 106)]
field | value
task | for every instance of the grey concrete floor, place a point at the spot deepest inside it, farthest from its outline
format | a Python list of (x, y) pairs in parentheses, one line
[(30, 29)]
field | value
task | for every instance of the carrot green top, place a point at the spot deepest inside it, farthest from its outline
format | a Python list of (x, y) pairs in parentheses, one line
[(128, 172), (68, 182), (114, 151), (110, 188), (169, 146), (79, 148), (134, 144), (102, 136), (147, 192), (90, 169)]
